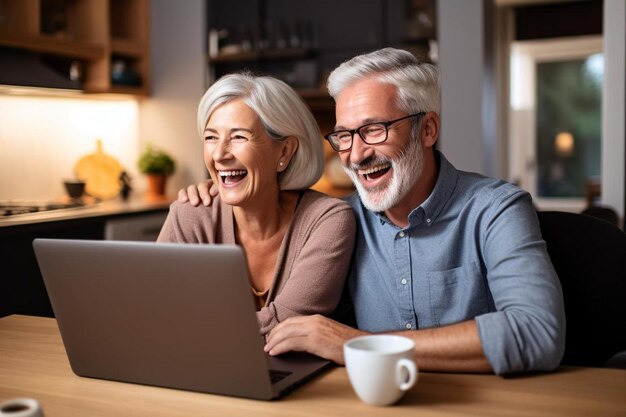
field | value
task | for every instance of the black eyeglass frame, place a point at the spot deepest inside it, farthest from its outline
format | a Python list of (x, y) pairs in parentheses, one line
[(386, 124)]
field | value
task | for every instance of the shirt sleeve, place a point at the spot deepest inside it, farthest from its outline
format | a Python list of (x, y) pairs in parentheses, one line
[(527, 330), (315, 269)]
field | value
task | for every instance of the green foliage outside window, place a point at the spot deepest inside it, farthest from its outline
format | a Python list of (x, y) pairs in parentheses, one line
[(569, 97)]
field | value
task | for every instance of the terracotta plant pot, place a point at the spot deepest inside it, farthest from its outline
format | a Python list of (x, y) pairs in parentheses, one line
[(156, 184)]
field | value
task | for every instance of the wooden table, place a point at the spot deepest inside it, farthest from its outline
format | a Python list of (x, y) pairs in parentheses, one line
[(33, 364)]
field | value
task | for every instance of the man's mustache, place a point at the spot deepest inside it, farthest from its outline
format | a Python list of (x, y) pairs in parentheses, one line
[(369, 162)]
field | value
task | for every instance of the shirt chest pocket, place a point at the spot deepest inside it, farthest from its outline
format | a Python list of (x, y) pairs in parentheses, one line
[(457, 294)]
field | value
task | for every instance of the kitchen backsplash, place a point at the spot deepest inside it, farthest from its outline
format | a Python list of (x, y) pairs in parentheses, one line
[(41, 138)]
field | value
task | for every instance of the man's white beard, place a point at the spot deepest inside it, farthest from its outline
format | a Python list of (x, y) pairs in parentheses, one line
[(407, 168)]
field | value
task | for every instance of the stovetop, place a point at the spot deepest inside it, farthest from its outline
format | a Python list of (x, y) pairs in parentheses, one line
[(12, 208)]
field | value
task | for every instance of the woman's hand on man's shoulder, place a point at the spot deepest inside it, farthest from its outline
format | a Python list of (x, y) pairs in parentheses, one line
[(202, 192)]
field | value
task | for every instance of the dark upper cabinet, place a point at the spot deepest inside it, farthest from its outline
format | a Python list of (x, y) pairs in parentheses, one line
[(302, 41)]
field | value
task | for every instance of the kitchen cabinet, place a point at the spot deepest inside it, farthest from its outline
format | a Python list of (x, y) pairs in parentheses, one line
[(98, 46), (22, 290), (23, 287), (301, 42)]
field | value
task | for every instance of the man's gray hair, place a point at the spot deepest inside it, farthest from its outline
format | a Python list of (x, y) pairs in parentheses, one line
[(282, 113), (417, 82)]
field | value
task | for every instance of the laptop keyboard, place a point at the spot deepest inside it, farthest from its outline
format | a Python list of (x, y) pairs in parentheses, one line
[(276, 376)]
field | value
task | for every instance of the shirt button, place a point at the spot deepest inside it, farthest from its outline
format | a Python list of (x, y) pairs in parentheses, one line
[(428, 221), (401, 234), (408, 326), (404, 281)]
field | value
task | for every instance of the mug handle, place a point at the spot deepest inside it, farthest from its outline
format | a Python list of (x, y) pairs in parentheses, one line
[(411, 369)]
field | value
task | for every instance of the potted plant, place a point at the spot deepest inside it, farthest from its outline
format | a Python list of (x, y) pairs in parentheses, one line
[(157, 165)]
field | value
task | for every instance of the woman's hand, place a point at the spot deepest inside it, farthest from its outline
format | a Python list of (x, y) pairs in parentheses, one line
[(201, 192)]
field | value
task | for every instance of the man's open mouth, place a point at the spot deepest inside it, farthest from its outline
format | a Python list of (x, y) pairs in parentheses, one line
[(231, 177), (375, 172)]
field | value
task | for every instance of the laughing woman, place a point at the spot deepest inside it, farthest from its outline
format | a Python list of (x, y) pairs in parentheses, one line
[(262, 148)]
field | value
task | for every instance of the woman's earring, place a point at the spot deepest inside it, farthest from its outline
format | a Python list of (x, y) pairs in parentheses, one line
[(281, 163)]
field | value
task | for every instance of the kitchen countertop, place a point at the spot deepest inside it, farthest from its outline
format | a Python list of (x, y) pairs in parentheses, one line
[(99, 209)]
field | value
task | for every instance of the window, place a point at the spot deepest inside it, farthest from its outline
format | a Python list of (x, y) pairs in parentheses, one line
[(569, 98), (556, 95)]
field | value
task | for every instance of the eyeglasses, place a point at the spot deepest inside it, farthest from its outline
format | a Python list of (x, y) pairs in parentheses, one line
[(371, 133)]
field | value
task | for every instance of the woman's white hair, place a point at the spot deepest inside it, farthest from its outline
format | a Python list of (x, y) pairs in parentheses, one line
[(418, 83), (282, 113)]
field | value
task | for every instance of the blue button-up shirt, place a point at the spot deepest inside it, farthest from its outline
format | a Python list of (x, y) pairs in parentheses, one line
[(472, 250)]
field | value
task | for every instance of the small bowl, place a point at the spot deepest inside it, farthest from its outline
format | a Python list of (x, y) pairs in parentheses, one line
[(74, 188)]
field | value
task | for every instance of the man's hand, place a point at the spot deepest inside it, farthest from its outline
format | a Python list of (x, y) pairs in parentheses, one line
[(316, 334), (201, 192)]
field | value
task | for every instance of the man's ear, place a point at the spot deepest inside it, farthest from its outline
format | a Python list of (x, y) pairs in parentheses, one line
[(430, 129), (289, 147)]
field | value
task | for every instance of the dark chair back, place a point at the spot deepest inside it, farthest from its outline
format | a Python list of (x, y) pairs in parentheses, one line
[(604, 213), (589, 256)]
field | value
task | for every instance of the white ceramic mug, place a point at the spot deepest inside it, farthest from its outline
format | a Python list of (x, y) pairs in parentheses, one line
[(380, 367), (21, 407)]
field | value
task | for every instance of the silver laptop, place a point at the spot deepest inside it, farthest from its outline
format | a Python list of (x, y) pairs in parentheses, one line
[(171, 315)]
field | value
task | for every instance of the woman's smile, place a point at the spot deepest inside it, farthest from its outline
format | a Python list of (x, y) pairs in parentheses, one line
[(231, 178)]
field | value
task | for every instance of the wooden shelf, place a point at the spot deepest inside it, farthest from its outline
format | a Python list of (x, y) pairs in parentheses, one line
[(317, 99), (50, 45), (95, 32), (120, 89), (259, 55), (128, 48)]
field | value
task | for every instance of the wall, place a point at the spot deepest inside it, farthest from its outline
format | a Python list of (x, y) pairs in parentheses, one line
[(41, 139), (168, 117), (468, 97), (614, 106)]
